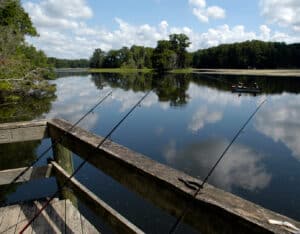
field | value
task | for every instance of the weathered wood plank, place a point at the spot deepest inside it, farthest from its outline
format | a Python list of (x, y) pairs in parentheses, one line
[(23, 131), (7, 176), (213, 210), (61, 215), (112, 217), (73, 219), (9, 219), (56, 218), (26, 213), (44, 223), (86, 227)]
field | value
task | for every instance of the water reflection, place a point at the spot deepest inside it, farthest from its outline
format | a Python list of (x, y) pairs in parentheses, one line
[(178, 107), (214, 96), (280, 121), (15, 156), (242, 167), (269, 85), (75, 97), (169, 88), (202, 117), (129, 98), (27, 108)]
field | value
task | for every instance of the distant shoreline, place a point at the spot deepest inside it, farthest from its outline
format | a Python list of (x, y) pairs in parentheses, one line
[(250, 72), (119, 70), (210, 71)]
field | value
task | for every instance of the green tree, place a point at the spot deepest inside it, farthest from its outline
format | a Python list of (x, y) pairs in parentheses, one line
[(179, 43), (14, 16), (97, 59), (164, 58), (22, 67)]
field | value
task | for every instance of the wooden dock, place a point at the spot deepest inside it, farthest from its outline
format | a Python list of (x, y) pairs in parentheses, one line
[(212, 211), (59, 217)]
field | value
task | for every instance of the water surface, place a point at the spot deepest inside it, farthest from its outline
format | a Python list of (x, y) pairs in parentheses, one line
[(186, 122)]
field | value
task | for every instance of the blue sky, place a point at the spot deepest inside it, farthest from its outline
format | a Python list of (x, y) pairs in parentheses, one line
[(74, 28)]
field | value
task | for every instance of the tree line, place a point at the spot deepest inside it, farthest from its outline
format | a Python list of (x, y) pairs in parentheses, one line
[(69, 63), (172, 54), (249, 54), (169, 54)]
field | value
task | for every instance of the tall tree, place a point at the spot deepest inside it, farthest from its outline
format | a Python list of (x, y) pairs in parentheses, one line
[(18, 60), (97, 59), (15, 23), (164, 58), (179, 44)]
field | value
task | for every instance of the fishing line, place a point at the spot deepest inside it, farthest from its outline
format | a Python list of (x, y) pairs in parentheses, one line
[(185, 211), (84, 162), (59, 140)]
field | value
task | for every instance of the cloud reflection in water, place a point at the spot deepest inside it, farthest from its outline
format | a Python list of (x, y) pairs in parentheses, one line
[(280, 120), (241, 167), (203, 116), (75, 100)]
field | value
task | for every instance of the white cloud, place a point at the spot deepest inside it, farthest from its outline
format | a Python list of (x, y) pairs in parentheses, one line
[(285, 13), (216, 12), (198, 3), (163, 25), (203, 116), (62, 14), (63, 8), (66, 34), (241, 167), (203, 13), (265, 32)]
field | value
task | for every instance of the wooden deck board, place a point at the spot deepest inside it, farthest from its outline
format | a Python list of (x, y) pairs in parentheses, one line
[(8, 176), (25, 213), (59, 217), (73, 219), (23, 131), (9, 218)]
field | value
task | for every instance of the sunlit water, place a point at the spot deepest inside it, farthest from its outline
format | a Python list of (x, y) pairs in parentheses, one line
[(186, 122)]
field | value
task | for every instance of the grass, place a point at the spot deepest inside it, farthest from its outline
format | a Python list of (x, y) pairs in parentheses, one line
[(182, 71), (119, 70)]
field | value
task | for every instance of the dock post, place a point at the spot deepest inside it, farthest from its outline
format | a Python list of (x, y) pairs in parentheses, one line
[(63, 157)]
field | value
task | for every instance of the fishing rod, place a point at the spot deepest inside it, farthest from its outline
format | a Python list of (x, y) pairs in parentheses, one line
[(84, 162), (200, 186), (60, 139)]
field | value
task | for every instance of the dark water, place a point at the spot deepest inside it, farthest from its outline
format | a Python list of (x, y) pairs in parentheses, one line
[(186, 122)]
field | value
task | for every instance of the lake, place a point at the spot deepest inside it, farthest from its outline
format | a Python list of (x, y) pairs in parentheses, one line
[(185, 122)]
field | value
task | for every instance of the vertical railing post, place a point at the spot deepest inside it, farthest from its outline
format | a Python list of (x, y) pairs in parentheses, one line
[(63, 157)]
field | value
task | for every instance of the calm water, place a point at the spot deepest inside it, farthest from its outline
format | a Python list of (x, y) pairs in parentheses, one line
[(186, 122)]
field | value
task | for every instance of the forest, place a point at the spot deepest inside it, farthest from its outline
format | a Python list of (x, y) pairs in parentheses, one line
[(68, 63), (169, 54), (172, 54), (249, 54)]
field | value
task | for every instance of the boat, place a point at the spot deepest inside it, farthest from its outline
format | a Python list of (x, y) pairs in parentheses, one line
[(241, 88)]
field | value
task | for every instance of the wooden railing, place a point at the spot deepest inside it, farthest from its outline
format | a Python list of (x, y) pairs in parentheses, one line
[(212, 211)]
